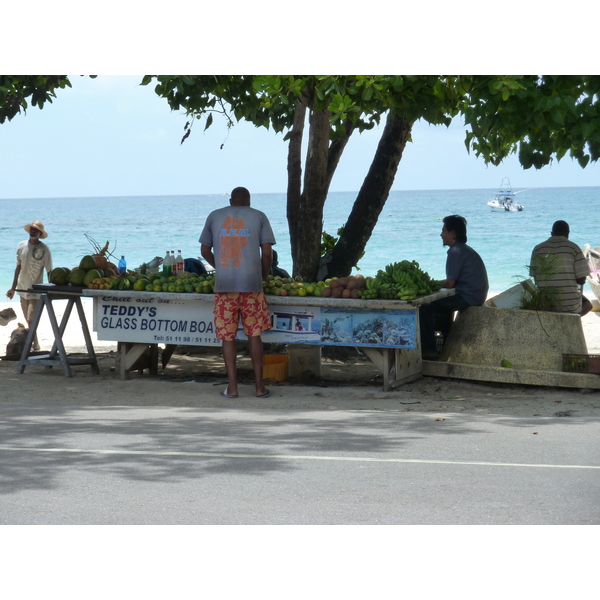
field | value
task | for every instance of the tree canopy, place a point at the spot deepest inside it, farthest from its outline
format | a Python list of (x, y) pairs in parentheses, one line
[(541, 117), (17, 92)]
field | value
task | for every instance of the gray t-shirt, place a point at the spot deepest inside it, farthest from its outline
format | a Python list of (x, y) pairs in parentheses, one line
[(466, 267), (235, 233)]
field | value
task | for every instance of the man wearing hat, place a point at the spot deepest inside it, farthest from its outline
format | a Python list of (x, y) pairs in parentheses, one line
[(33, 256)]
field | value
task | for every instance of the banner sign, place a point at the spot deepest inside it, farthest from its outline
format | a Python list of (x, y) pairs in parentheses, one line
[(162, 320)]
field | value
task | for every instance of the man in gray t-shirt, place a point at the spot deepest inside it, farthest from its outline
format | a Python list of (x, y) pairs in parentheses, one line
[(236, 241), (236, 235)]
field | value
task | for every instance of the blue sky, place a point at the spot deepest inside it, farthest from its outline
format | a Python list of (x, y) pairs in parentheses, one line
[(110, 136)]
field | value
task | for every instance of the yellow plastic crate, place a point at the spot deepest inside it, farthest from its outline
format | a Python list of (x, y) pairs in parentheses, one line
[(276, 366)]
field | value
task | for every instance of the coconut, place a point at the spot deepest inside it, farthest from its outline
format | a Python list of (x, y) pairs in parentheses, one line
[(59, 276), (101, 261), (113, 268), (326, 293), (87, 263), (91, 275), (76, 277)]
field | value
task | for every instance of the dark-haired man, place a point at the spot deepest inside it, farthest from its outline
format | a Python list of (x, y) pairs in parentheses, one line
[(570, 273), (465, 273)]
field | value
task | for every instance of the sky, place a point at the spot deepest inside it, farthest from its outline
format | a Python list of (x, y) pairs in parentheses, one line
[(110, 136)]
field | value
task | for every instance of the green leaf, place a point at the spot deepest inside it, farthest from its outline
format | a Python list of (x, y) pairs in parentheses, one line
[(583, 161), (587, 129)]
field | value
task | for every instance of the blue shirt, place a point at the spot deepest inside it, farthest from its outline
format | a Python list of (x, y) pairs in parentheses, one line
[(466, 267)]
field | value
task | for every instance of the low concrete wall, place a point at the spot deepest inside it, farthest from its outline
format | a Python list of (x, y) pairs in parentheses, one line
[(528, 339), (532, 341)]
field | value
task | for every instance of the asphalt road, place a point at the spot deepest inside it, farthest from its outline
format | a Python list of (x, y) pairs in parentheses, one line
[(159, 465)]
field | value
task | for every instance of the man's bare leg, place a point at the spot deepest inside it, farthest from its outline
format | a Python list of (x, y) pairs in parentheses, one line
[(256, 355), (230, 358)]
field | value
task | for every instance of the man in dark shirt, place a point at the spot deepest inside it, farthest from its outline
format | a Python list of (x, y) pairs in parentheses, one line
[(465, 273)]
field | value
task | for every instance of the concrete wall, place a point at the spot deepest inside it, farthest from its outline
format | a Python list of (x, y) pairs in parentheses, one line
[(527, 338)]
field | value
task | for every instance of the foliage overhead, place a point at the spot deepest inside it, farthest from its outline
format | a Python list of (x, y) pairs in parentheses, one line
[(270, 100), (15, 90), (539, 117)]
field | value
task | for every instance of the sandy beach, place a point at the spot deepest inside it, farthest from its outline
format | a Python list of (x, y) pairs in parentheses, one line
[(195, 376)]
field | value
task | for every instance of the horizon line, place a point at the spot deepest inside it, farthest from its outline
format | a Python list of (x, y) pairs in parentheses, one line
[(275, 193)]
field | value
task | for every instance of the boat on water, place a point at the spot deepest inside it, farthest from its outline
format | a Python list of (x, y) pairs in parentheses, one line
[(504, 200)]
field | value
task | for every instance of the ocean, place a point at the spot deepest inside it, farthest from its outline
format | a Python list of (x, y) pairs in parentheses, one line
[(142, 227)]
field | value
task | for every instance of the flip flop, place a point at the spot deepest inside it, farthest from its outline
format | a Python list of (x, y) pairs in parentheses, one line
[(265, 395), (226, 395)]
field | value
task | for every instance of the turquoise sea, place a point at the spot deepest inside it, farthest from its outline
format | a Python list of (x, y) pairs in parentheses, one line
[(141, 227)]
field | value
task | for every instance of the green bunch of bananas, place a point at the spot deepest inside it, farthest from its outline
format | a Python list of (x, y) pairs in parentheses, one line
[(122, 282), (371, 290), (388, 290), (405, 281)]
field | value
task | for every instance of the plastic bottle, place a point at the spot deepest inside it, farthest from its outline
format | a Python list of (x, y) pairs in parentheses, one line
[(167, 265), (173, 263), (180, 264), (122, 265)]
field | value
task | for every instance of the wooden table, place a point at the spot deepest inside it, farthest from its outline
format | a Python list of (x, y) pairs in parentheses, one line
[(58, 355)]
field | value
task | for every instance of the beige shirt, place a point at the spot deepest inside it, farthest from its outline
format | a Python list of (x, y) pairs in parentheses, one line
[(33, 258)]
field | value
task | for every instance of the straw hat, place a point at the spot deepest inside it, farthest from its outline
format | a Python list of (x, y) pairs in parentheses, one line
[(37, 225)]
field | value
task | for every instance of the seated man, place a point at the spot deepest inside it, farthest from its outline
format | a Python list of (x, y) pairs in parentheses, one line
[(466, 273), (276, 270), (193, 265), (567, 275)]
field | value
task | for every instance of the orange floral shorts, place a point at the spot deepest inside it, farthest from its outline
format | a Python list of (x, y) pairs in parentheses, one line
[(251, 307)]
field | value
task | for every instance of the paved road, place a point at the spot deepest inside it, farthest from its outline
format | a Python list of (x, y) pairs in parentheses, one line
[(158, 465)]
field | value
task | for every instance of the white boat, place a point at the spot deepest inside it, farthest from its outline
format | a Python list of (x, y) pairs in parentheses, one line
[(504, 200)]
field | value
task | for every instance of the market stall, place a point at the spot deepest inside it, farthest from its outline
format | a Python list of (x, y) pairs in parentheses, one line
[(140, 311), (387, 331)]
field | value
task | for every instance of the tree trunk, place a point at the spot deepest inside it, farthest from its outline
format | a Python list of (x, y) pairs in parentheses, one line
[(294, 168), (371, 197), (306, 224), (305, 208)]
